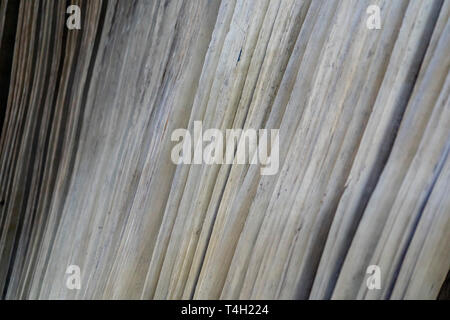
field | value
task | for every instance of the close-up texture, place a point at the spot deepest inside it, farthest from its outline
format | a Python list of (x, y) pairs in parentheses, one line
[(355, 94)]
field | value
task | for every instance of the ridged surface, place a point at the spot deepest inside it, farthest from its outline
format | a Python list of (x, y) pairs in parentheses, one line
[(86, 176)]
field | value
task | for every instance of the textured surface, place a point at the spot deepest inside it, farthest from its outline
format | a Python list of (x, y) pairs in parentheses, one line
[(86, 176)]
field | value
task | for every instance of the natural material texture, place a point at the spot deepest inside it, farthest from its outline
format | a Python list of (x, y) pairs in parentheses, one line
[(86, 176)]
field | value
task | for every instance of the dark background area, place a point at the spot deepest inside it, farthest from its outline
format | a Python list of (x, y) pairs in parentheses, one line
[(6, 53)]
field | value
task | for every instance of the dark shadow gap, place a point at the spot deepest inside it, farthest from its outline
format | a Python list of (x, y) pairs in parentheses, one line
[(7, 53)]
